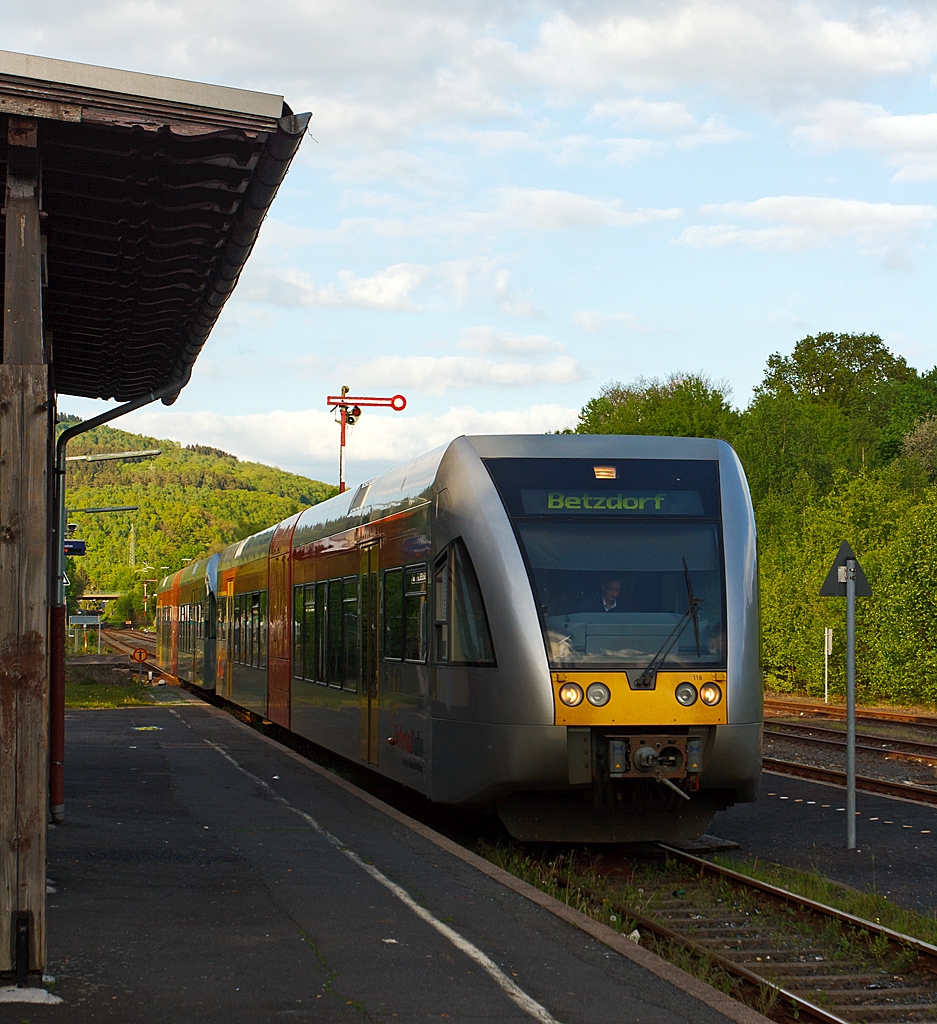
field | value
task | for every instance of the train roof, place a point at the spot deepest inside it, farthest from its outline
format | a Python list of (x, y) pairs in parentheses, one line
[(599, 446), (202, 571), (247, 550), (397, 490), (412, 484)]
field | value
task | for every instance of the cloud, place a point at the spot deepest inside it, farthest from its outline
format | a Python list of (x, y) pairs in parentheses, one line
[(510, 303), (772, 49), (905, 141), (438, 374), (593, 321), (376, 75), (625, 151), (306, 441), (288, 286), (802, 222), (488, 339), (668, 118), (541, 209), (508, 208)]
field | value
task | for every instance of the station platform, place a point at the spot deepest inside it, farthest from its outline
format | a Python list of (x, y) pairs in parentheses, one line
[(802, 824), (207, 874)]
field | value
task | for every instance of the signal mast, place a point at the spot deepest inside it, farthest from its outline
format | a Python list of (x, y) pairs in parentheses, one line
[(348, 409)]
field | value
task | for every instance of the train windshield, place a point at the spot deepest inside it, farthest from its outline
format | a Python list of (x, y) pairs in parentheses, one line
[(629, 562)]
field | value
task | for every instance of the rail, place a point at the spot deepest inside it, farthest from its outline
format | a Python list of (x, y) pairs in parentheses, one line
[(790, 708), (888, 745), (904, 790)]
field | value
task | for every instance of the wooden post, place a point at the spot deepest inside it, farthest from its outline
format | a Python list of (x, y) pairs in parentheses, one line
[(24, 653)]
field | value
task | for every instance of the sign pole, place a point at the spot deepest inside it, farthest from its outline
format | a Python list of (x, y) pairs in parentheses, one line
[(846, 579), (827, 651), (850, 703)]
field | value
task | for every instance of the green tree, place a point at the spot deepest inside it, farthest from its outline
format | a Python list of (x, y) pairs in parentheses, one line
[(681, 405), (839, 442)]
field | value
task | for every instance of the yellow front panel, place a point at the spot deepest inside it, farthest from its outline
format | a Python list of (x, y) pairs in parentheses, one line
[(628, 707)]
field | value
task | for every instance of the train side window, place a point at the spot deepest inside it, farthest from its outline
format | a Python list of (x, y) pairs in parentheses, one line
[(415, 613), (250, 633), (441, 607), (350, 624), (309, 632), (322, 635), (393, 614), (335, 633), (463, 636), (298, 645), (247, 637)]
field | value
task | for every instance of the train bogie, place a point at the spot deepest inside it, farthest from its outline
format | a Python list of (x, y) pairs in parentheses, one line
[(564, 627)]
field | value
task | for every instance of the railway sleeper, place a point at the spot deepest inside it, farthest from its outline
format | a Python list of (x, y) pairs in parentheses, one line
[(755, 951), (862, 996), (810, 980), (885, 1012)]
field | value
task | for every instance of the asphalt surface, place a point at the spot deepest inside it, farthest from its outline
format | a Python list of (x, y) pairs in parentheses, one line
[(803, 824), (191, 885)]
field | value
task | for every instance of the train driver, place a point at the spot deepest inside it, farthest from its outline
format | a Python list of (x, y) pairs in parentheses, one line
[(611, 591)]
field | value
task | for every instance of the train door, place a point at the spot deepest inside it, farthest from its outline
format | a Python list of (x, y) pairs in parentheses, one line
[(368, 637), (279, 673), (278, 670), (224, 648)]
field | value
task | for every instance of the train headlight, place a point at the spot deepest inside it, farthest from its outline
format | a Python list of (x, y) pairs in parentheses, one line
[(686, 694), (571, 694), (710, 694), (598, 694)]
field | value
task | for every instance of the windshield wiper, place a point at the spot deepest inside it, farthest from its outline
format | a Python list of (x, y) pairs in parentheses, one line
[(643, 681), (693, 608)]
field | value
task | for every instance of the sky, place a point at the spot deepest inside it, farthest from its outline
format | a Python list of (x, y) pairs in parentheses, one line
[(503, 206)]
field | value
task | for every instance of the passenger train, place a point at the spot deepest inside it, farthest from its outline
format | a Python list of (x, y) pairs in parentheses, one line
[(561, 627)]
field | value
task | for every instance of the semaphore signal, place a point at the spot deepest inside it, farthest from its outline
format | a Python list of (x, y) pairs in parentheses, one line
[(349, 409)]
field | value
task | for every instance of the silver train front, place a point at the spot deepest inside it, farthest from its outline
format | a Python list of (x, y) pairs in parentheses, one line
[(488, 734)]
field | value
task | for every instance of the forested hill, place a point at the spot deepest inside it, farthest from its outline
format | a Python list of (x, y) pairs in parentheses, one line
[(839, 443), (192, 500)]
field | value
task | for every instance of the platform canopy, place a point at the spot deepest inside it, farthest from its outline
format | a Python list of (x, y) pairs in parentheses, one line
[(152, 195)]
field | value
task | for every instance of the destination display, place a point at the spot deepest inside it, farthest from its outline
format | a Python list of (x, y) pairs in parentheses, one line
[(598, 503)]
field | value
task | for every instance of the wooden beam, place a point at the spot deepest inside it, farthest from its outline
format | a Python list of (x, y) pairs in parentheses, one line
[(24, 454), (22, 281)]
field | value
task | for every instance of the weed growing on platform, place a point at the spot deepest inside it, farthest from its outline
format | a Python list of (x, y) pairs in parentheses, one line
[(93, 695)]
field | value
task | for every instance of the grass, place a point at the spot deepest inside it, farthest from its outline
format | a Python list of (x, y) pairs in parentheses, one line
[(870, 906), (94, 695)]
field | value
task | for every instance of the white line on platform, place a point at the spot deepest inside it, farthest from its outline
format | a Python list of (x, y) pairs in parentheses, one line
[(513, 991)]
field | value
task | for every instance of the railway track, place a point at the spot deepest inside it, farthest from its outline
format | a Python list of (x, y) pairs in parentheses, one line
[(792, 709), (904, 790), (790, 957), (887, 745), (126, 641)]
